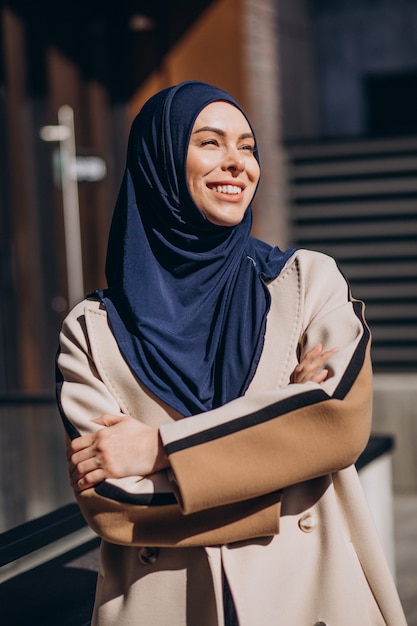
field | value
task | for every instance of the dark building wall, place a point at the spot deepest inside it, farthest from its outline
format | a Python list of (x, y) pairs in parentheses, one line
[(366, 55), (104, 60), (40, 74), (348, 68)]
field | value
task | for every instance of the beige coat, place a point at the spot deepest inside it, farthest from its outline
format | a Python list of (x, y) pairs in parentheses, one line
[(267, 481)]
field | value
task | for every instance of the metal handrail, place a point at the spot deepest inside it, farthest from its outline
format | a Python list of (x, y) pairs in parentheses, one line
[(40, 532), (21, 399)]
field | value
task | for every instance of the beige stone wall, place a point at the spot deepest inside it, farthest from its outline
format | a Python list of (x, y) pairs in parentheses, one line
[(395, 414), (264, 107)]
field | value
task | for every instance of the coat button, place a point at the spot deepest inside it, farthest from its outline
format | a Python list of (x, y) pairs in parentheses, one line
[(307, 523), (148, 556)]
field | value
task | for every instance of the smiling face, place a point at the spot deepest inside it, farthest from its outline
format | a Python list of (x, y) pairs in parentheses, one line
[(222, 171)]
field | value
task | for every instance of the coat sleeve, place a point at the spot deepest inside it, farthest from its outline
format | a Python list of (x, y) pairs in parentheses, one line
[(229, 465), (140, 510), (268, 441), (81, 394)]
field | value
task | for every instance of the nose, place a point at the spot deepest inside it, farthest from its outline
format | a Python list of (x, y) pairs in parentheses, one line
[(233, 162)]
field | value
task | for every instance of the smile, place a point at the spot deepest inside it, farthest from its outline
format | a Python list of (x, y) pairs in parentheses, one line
[(230, 189)]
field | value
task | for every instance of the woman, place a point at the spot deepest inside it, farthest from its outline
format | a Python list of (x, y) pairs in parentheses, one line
[(213, 422)]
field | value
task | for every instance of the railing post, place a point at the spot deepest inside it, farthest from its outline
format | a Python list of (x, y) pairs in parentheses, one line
[(64, 133)]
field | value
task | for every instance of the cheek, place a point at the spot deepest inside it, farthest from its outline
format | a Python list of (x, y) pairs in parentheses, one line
[(256, 171), (207, 163), (200, 163), (195, 184)]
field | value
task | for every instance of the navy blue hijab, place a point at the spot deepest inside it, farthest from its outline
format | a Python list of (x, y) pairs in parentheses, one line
[(186, 299)]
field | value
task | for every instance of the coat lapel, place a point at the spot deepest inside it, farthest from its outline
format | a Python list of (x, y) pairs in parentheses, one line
[(133, 397)]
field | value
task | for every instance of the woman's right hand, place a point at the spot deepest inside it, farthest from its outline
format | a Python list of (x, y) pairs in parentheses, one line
[(311, 367), (124, 447)]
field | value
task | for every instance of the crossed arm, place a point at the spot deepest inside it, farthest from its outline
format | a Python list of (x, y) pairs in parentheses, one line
[(128, 447)]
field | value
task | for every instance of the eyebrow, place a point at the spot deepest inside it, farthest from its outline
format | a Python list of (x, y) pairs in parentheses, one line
[(213, 129)]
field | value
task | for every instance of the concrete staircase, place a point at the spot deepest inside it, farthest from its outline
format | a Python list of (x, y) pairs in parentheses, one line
[(357, 201)]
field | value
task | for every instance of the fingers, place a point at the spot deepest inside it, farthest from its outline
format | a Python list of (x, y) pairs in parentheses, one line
[(79, 443), (87, 472), (311, 367), (110, 420), (109, 452), (320, 376), (80, 465), (85, 481), (124, 447), (85, 442), (85, 462)]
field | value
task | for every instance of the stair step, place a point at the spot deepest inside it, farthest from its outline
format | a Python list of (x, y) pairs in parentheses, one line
[(365, 250), (357, 167), (357, 230), (372, 209), (373, 290), (385, 270), (392, 311), (345, 189), (355, 148), (394, 355), (357, 201), (381, 333)]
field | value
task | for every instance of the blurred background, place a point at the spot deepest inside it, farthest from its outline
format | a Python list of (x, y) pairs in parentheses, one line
[(331, 89)]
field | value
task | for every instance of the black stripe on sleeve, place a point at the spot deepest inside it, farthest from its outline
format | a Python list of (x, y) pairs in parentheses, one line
[(287, 405), (246, 421), (107, 490)]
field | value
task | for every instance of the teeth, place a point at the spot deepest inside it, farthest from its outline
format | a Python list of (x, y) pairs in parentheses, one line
[(227, 188)]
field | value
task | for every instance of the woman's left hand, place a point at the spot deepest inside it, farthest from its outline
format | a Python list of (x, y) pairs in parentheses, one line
[(311, 367), (125, 447)]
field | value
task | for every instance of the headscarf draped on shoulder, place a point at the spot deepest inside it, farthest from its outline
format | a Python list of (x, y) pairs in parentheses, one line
[(186, 299)]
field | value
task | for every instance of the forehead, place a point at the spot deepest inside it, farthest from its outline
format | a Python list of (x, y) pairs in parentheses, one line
[(224, 116)]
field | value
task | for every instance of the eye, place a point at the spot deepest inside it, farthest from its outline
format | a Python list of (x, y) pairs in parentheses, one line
[(248, 147), (209, 142)]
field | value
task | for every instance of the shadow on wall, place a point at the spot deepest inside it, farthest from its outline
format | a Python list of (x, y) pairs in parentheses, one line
[(395, 413)]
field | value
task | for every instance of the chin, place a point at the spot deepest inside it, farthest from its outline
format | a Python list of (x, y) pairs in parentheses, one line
[(226, 223), (225, 220)]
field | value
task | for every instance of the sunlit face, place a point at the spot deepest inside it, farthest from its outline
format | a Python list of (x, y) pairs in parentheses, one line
[(222, 171)]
